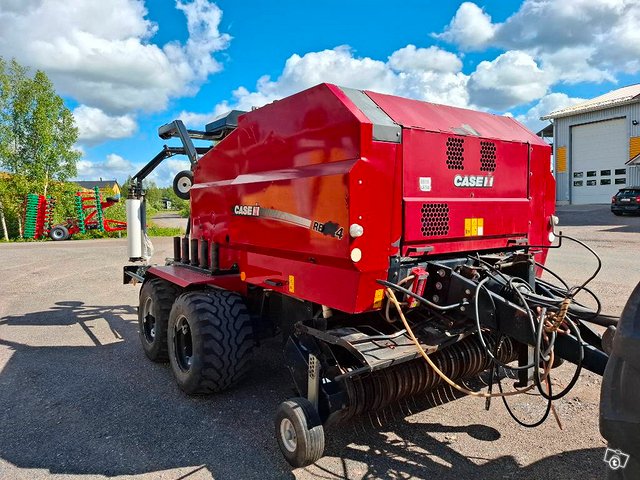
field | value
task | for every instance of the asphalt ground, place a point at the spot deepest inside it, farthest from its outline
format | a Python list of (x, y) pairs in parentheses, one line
[(78, 398)]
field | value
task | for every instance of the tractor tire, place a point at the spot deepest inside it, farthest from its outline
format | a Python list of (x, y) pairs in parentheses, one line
[(210, 341), (299, 432), (59, 233), (156, 299)]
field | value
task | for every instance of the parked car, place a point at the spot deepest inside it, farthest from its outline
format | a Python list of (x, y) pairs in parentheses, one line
[(627, 200)]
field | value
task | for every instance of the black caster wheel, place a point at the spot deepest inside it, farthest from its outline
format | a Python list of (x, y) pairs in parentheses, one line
[(182, 184), (299, 432)]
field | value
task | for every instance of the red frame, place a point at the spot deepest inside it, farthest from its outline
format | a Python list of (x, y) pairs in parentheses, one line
[(109, 224)]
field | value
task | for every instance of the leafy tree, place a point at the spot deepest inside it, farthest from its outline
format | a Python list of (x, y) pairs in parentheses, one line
[(38, 131), (52, 135), (153, 195), (13, 191), (37, 135)]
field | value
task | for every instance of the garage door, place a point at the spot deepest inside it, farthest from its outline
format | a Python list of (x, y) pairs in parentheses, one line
[(598, 155)]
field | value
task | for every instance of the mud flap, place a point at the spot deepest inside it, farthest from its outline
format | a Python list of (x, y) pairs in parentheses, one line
[(619, 406)]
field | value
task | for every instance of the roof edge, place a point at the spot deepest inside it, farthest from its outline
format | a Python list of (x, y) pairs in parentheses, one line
[(592, 108)]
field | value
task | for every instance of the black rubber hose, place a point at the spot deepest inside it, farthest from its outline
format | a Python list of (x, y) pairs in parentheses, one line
[(552, 273), (513, 415), (479, 330), (576, 375), (598, 268), (421, 299), (517, 420)]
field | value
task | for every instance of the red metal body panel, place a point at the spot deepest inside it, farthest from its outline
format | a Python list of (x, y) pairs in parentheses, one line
[(185, 277), (280, 192), (503, 207), (453, 120), (522, 196)]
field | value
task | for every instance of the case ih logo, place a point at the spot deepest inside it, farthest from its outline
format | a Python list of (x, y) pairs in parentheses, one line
[(473, 181), (247, 210)]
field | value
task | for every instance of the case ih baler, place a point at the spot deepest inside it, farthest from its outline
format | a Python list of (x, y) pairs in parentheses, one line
[(397, 245)]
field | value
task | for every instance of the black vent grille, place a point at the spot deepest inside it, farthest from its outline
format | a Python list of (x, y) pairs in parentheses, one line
[(487, 156), (455, 153), (435, 219)]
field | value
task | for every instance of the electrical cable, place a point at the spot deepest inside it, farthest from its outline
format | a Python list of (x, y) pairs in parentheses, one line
[(513, 415), (547, 379), (419, 298), (554, 297), (576, 374), (553, 274), (538, 354), (598, 268), (387, 315), (391, 297), (479, 329), (586, 314)]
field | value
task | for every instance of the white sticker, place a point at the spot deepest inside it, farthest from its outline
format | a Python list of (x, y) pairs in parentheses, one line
[(425, 184)]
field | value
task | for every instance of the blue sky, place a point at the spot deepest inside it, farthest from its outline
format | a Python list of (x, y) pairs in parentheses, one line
[(127, 66)]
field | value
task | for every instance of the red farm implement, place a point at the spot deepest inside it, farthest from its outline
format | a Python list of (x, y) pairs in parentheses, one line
[(397, 246), (89, 209), (38, 216)]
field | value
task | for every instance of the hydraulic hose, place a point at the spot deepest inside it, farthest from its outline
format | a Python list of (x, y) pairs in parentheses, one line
[(391, 296)]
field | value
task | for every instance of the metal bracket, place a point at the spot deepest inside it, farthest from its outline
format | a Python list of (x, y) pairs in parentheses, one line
[(313, 385), (525, 357), (135, 190)]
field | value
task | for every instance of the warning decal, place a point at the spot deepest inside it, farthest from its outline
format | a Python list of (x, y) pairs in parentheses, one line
[(473, 227), (378, 297)]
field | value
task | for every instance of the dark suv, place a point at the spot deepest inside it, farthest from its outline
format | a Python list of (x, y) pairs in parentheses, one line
[(627, 200)]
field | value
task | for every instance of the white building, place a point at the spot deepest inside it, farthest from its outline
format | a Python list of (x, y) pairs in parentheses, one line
[(596, 147)]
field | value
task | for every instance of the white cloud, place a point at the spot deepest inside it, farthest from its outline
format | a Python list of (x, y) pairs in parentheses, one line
[(114, 166), (575, 41), (471, 28), (431, 59), (619, 48), (429, 74), (101, 53), (167, 170), (95, 126), (511, 79), (117, 164), (547, 104), (550, 24), (571, 65)]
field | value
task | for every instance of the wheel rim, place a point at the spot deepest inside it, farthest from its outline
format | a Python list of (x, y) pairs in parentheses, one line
[(288, 435), (184, 185), (57, 234), (183, 344), (148, 321)]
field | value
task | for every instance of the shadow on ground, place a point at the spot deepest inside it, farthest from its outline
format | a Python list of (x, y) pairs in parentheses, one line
[(105, 409)]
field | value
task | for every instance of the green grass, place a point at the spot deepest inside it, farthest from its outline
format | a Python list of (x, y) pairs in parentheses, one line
[(156, 231), (153, 230)]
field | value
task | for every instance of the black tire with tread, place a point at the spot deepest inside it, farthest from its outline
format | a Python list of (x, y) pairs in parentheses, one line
[(162, 294), (222, 340), (59, 233), (309, 432), (188, 174)]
